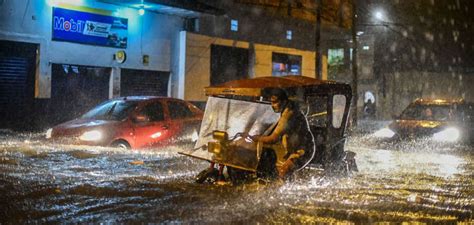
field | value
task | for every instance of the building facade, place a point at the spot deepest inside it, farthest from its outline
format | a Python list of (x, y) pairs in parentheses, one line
[(58, 58)]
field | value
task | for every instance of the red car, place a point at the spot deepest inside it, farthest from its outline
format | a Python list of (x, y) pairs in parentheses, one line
[(132, 122)]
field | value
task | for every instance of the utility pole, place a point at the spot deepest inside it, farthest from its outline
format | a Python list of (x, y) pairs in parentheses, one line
[(318, 55), (355, 96)]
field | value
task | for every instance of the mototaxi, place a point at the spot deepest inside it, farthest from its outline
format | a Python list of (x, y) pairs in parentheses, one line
[(243, 106)]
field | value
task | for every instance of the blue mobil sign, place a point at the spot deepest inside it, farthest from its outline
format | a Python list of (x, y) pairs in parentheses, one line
[(89, 28)]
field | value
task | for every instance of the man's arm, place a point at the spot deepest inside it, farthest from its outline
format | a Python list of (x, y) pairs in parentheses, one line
[(277, 132)]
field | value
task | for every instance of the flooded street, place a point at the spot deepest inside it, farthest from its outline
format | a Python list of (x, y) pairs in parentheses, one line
[(43, 182)]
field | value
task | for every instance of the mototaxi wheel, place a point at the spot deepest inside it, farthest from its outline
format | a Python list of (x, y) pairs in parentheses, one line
[(266, 168), (238, 176), (209, 175)]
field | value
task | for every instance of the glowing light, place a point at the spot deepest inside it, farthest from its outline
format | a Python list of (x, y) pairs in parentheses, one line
[(448, 135), (48, 133), (59, 2), (93, 135), (194, 136), (384, 133), (379, 15), (156, 135), (141, 12)]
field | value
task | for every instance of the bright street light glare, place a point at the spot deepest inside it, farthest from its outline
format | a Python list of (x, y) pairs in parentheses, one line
[(379, 15)]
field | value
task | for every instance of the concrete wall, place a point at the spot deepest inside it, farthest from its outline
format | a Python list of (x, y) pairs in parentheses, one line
[(198, 58), (31, 21)]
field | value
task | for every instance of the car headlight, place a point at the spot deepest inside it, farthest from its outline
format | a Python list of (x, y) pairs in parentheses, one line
[(384, 133), (448, 135), (93, 135), (48, 133)]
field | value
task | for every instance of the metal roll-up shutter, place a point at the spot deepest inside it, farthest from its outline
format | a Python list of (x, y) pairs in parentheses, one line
[(13, 82), (143, 83), (17, 76), (75, 89)]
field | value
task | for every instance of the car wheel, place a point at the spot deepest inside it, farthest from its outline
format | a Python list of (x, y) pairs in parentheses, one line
[(121, 144)]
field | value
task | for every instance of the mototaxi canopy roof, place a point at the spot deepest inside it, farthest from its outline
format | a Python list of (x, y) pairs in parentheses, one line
[(295, 86)]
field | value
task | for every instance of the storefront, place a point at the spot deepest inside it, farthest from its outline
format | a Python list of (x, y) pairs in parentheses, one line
[(17, 75), (79, 53)]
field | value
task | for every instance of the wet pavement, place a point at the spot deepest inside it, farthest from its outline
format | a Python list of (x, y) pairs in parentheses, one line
[(50, 183)]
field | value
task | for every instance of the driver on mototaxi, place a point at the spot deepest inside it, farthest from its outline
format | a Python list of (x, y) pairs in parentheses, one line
[(291, 131)]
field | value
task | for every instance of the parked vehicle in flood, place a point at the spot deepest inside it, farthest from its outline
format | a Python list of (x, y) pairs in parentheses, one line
[(132, 122)]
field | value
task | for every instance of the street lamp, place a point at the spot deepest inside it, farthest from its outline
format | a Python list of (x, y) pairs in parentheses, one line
[(379, 15), (141, 11)]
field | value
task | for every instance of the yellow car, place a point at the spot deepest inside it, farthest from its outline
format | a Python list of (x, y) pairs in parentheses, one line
[(440, 120)]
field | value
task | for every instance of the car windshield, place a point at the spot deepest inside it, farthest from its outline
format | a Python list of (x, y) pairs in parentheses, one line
[(427, 112), (112, 110)]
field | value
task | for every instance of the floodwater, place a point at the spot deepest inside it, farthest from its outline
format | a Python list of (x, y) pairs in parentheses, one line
[(48, 183)]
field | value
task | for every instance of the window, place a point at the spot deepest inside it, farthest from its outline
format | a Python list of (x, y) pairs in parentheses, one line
[(284, 64), (336, 57), (338, 107), (234, 25), (99, 112), (317, 113), (121, 110), (289, 34), (426, 112), (468, 113), (154, 112), (179, 110)]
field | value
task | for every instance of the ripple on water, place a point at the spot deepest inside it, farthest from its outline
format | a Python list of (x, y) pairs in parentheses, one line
[(8, 161), (81, 154)]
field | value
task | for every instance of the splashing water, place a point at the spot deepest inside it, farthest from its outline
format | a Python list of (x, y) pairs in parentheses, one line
[(43, 182)]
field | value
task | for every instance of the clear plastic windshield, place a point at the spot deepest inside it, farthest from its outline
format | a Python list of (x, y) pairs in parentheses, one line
[(232, 116), (235, 116)]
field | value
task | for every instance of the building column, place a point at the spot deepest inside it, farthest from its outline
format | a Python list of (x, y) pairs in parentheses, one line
[(178, 78), (114, 84)]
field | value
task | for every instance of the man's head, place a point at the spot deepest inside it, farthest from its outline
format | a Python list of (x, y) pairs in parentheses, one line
[(428, 112), (278, 99)]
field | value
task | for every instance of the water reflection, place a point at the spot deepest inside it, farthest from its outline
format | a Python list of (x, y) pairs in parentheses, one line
[(44, 182)]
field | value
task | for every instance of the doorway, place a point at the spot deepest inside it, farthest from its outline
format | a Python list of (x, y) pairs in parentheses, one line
[(228, 63), (143, 83), (76, 89), (17, 76)]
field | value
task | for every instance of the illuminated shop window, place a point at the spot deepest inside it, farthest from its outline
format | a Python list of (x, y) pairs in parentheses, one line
[(234, 25), (289, 34), (284, 64), (336, 57)]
